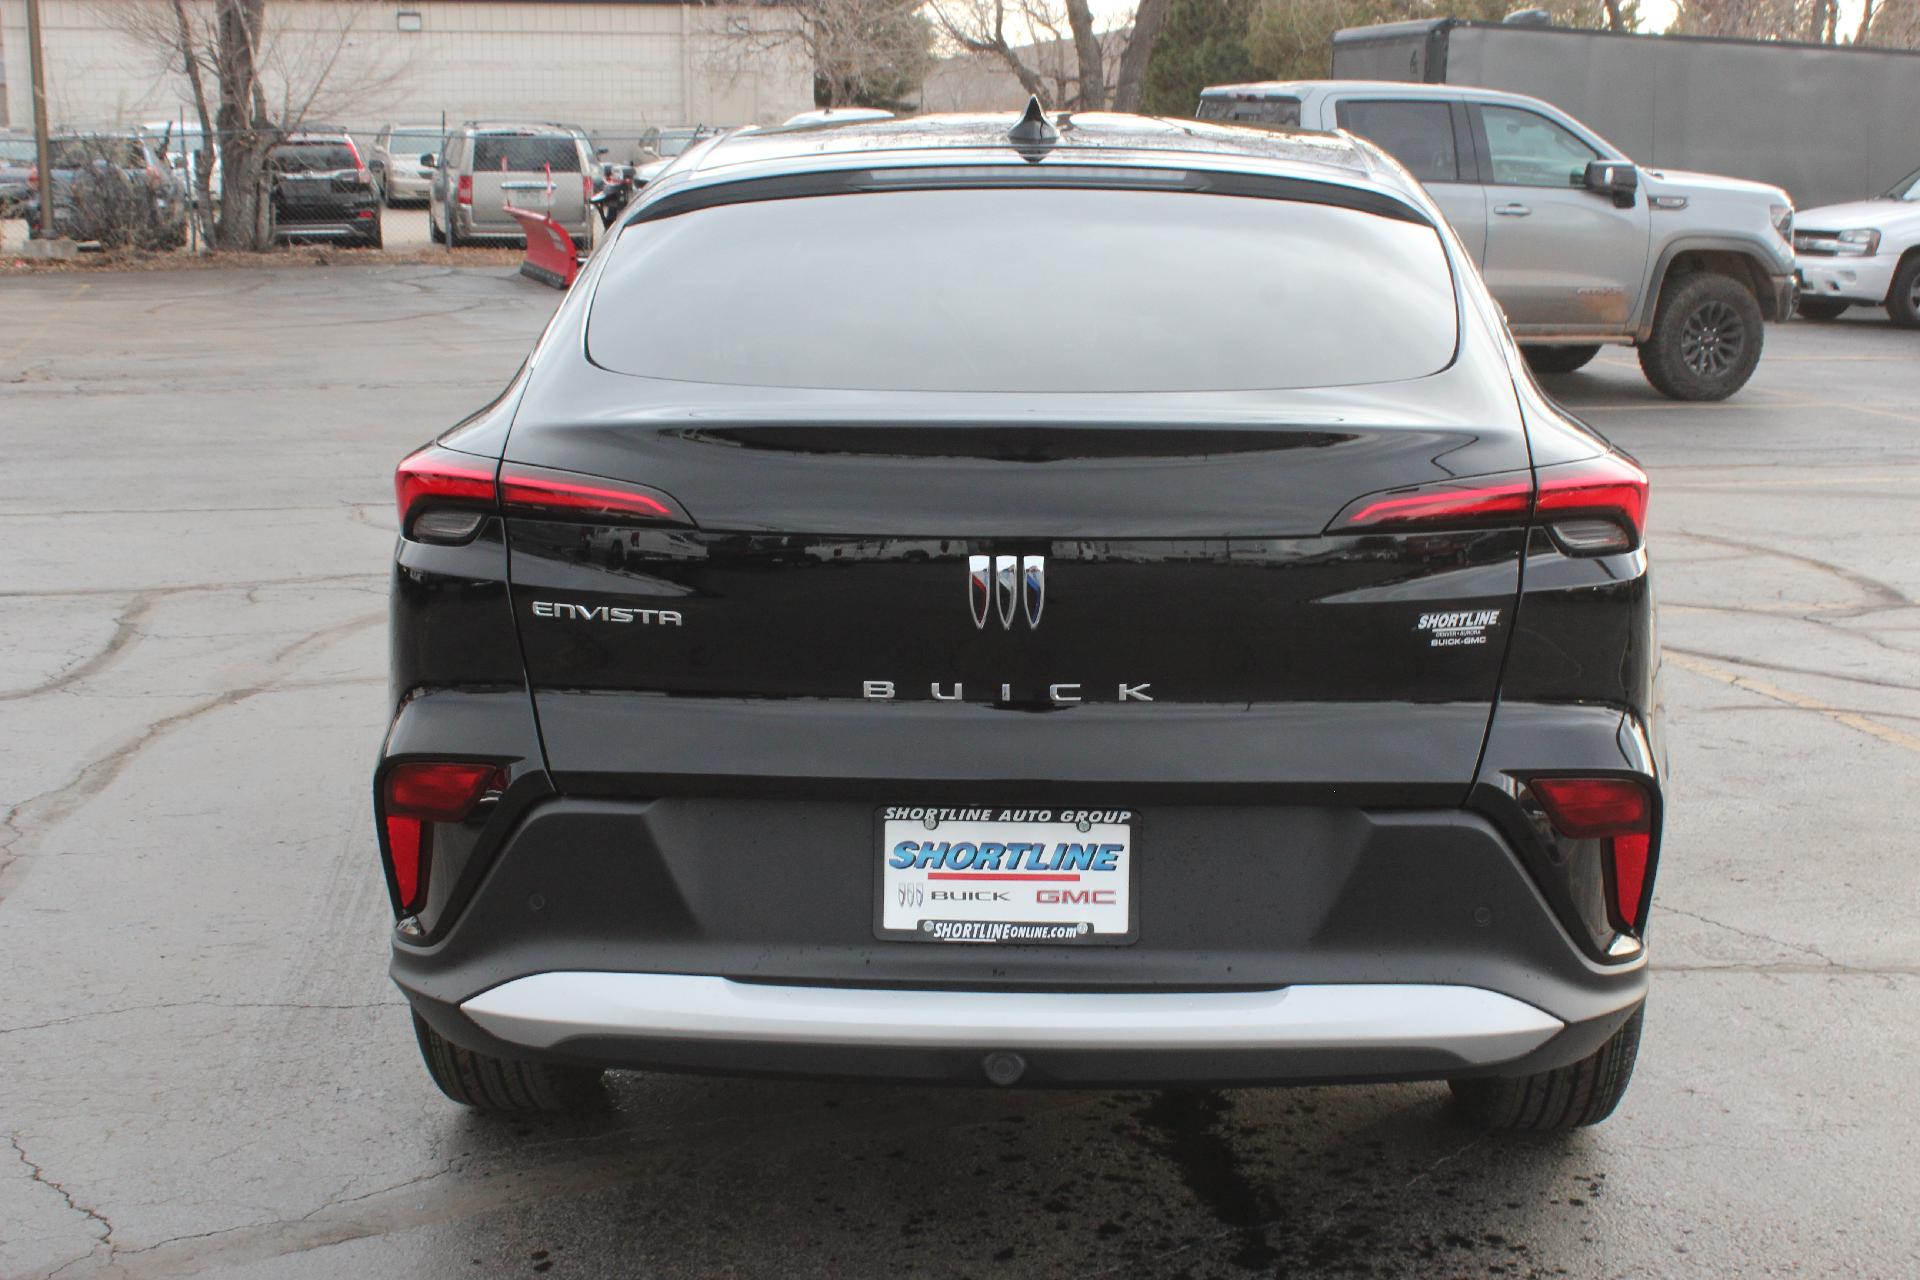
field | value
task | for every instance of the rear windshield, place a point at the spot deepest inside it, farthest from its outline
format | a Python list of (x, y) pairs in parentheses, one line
[(512, 154), (1029, 290), (1256, 111), (17, 149), (312, 157)]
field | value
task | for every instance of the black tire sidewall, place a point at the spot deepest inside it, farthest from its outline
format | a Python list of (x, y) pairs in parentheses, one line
[(1900, 307), (1560, 359), (1821, 308)]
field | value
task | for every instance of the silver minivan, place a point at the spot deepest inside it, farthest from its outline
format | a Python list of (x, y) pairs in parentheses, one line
[(485, 167)]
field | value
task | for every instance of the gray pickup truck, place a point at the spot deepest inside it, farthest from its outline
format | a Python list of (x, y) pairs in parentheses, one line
[(1581, 246)]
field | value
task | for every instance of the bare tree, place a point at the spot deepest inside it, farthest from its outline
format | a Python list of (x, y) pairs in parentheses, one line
[(1148, 22), (1053, 50), (250, 82), (980, 26)]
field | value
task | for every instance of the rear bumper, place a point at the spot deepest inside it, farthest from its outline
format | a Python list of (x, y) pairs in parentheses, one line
[(405, 186), (1277, 944), (328, 224), (1310, 1033)]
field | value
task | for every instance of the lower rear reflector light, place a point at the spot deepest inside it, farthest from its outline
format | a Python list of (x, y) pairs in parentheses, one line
[(1617, 811), (415, 796)]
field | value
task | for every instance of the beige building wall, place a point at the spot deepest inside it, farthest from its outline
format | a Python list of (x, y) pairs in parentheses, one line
[(607, 65)]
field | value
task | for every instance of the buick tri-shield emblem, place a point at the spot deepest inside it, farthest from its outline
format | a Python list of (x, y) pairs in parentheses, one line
[(1010, 584)]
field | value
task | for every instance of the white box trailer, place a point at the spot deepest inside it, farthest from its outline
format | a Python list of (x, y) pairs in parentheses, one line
[(1828, 123)]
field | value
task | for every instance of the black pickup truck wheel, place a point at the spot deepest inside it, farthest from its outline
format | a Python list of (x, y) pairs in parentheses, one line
[(1706, 338)]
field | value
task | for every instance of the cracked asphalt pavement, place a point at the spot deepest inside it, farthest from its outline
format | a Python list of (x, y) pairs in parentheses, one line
[(204, 1071)]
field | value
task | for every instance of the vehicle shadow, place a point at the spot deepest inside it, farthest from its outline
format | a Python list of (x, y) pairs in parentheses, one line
[(743, 1177)]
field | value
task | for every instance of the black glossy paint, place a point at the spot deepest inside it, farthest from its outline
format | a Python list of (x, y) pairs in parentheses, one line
[(1323, 795)]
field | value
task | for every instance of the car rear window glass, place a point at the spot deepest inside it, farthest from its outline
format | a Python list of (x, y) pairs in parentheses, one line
[(1417, 134), (312, 157), (1255, 111), (520, 154), (16, 150), (1031, 290)]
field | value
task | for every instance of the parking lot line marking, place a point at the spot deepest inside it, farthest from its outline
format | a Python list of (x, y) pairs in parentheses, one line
[(1851, 719)]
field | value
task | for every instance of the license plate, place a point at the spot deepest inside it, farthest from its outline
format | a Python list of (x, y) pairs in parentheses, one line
[(1052, 876)]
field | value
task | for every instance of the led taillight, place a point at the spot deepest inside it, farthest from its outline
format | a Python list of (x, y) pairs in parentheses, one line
[(1501, 499), (439, 485), (1617, 811), (464, 192), (1594, 507), (413, 798), (525, 489)]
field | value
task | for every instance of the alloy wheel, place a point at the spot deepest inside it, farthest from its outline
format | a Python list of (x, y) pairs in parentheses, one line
[(1712, 339)]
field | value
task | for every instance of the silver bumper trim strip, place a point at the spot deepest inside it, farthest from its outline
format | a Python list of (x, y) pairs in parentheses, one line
[(547, 1009)]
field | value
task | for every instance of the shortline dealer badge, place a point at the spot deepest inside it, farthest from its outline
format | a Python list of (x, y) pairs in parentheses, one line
[(1460, 628)]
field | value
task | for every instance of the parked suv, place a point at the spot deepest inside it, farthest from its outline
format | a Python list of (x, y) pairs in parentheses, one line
[(1579, 245), (1095, 666), (398, 162), (321, 190), (486, 167), (1863, 254)]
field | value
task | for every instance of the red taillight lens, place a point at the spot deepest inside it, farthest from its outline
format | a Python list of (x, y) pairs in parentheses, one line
[(586, 186), (1504, 498), (1594, 507), (1588, 807), (33, 178), (533, 489), (413, 798), (1616, 810), (433, 477), (438, 791), (464, 192)]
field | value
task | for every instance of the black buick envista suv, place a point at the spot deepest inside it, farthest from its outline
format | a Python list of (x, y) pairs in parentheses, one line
[(1092, 602)]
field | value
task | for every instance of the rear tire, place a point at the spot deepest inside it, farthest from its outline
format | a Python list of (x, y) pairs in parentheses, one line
[(1559, 359), (1820, 308), (1706, 338), (503, 1085), (433, 229), (1903, 300), (1555, 1101)]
